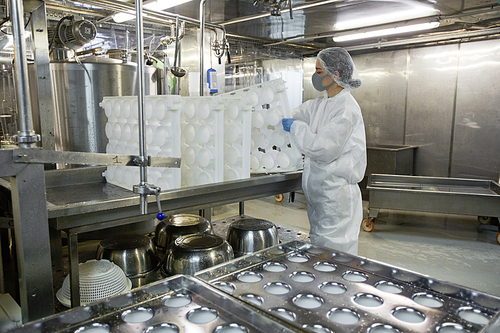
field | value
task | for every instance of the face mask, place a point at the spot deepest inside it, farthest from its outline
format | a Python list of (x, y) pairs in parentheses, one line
[(316, 81)]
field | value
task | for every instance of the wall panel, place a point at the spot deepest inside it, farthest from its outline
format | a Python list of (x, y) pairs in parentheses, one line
[(309, 69), (430, 107), (382, 95), (476, 144)]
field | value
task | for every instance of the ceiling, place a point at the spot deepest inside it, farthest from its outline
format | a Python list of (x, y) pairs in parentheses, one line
[(315, 22)]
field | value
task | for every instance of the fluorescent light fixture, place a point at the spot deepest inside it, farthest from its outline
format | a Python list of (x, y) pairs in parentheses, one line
[(156, 5), (164, 4), (386, 32), (122, 17), (386, 18)]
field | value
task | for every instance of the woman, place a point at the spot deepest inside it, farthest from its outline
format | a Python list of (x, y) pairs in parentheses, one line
[(329, 131)]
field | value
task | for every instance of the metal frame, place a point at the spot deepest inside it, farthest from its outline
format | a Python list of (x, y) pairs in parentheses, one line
[(68, 157), (89, 214), (27, 183), (42, 71)]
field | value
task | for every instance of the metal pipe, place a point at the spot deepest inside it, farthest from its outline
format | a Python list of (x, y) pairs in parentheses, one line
[(306, 5), (7, 9), (305, 38), (150, 14), (427, 39), (201, 42), (26, 136), (165, 73), (75, 10), (140, 100)]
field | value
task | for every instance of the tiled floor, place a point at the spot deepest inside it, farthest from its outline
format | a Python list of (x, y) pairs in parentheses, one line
[(447, 247)]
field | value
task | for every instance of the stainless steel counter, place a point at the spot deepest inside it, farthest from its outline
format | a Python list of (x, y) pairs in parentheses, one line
[(80, 197), (79, 200)]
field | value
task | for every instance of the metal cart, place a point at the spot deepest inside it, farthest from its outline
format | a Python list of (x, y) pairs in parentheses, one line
[(435, 195)]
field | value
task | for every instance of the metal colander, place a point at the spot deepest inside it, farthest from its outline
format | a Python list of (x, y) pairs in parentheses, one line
[(98, 279)]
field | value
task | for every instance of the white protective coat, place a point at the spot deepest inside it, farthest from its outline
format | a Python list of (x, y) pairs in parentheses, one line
[(330, 133)]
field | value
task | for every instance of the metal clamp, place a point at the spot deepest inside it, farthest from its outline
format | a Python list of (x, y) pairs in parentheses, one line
[(147, 189), (27, 138), (140, 160)]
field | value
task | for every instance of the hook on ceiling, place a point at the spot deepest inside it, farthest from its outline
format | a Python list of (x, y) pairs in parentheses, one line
[(276, 6)]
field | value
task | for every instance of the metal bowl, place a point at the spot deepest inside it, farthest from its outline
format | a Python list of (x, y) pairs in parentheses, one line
[(249, 235), (133, 253), (179, 225), (192, 253)]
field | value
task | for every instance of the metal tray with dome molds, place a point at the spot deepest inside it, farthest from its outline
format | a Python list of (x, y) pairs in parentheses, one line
[(323, 290), (180, 304)]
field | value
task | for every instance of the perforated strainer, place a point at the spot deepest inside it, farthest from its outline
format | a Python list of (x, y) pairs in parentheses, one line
[(98, 279)]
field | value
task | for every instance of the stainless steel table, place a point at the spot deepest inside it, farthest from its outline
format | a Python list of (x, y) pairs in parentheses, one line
[(79, 200), (475, 197)]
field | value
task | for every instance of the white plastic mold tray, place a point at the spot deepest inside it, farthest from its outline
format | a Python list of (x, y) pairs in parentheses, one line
[(329, 291), (271, 147), (237, 137), (162, 116), (202, 140)]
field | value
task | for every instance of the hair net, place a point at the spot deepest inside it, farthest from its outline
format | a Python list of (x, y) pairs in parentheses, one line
[(336, 59)]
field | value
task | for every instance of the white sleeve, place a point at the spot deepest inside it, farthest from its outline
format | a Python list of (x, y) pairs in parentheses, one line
[(326, 145), (301, 112)]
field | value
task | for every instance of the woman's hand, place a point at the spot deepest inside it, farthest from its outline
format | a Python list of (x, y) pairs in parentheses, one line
[(287, 123)]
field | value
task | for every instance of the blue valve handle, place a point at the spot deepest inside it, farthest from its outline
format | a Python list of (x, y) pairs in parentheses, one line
[(160, 216)]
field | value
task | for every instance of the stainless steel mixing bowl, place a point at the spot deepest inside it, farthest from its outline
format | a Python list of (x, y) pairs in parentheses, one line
[(134, 254), (179, 225), (192, 253), (249, 235)]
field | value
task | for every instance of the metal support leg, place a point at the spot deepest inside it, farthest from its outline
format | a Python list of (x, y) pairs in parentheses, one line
[(32, 243), (373, 212), (242, 208), (206, 213), (74, 273), (55, 246), (2, 277)]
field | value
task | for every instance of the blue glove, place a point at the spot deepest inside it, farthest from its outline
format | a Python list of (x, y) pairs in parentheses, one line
[(287, 123)]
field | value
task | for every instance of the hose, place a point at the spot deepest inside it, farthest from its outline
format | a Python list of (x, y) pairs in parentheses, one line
[(57, 31)]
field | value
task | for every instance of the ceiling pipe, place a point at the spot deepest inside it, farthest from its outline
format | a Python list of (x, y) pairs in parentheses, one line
[(149, 15), (305, 38), (55, 6), (310, 4), (442, 19), (428, 39), (331, 35)]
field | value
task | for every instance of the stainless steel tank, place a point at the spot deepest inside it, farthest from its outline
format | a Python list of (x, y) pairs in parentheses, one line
[(77, 91)]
